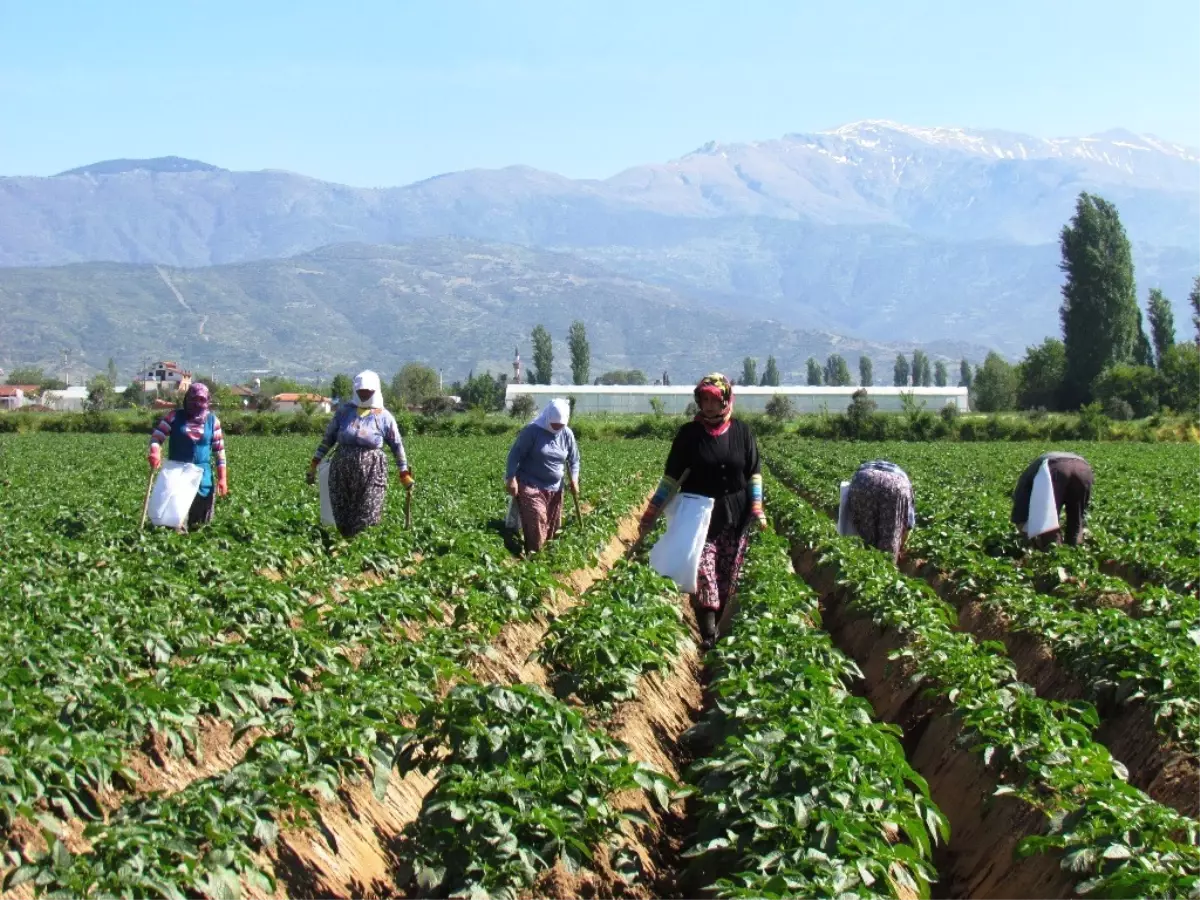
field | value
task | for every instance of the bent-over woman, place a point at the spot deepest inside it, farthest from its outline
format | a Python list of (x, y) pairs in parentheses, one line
[(881, 506), (361, 428), (719, 456), (543, 452), (1071, 479), (193, 435)]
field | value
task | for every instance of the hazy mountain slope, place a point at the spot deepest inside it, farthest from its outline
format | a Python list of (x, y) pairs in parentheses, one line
[(454, 304), (873, 229)]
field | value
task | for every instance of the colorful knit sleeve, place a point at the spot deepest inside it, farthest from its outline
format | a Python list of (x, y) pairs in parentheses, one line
[(163, 429), (218, 443), (756, 496), (661, 494), (330, 438)]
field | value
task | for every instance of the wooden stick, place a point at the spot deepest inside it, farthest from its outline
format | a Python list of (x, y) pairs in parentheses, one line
[(408, 508), (146, 502), (578, 512)]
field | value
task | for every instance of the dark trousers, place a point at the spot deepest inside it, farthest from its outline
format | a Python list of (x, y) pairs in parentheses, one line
[(1073, 480)]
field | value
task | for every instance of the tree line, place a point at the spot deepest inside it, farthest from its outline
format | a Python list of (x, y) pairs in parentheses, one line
[(1105, 360)]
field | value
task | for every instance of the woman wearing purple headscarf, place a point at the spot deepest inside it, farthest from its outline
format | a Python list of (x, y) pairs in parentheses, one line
[(193, 435)]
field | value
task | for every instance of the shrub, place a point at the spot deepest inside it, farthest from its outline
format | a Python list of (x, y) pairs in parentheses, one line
[(780, 407), (1118, 409), (860, 415), (523, 407), (1093, 424)]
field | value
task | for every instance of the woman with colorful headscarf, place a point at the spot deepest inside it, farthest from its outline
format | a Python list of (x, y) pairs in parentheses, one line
[(358, 473), (543, 452), (193, 435), (719, 456)]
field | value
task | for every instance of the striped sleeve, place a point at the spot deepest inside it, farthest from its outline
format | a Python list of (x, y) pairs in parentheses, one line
[(756, 496), (218, 443), (163, 429)]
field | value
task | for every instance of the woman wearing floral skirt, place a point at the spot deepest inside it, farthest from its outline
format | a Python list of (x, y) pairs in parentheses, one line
[(719, 455), (881, 506), (358, 472)]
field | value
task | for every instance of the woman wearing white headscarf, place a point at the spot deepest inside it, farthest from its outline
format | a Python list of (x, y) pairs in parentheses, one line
[(358, 472), (544, 450)]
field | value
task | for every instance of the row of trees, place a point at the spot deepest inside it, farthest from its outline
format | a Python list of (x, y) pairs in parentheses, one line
[(770, 376), (543, 355), (1105, 355)]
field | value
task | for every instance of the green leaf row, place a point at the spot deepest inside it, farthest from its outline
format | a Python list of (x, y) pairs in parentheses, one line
[(1114, 655), (349, 716), (803, 794), (1041, 750), (523, 783), (626, 625)]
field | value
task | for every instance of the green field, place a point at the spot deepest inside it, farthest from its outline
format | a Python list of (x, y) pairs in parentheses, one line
[(261, 708)]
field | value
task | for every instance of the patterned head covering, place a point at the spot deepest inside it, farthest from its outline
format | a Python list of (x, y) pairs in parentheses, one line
[(718, 386), (196, 402)]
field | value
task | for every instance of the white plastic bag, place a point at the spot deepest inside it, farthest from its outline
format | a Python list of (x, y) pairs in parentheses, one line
[(676, 555), (1043, 508), (512, 518), (174, 490), (326, 503), (845, 523)]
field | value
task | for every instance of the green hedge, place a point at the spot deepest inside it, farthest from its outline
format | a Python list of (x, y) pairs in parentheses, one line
[(924, 426)]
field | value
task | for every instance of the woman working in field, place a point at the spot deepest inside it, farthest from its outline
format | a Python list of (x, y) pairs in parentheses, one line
[(1071, 481), (881, 507), (193, 435), (715, 456), (543, 452), (358, 473)]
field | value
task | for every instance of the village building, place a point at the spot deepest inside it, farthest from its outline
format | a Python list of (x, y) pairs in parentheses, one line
[(296, 402)]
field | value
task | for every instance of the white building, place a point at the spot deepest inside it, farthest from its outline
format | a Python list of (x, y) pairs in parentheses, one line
[(70, 399), (165, 377), (295, 402), (11, 397), (622, 398)]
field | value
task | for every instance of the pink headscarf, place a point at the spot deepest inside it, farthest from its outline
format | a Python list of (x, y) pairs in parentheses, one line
[(195, 403)]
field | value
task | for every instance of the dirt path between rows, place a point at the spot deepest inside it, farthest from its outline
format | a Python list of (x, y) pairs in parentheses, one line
[(352, 850), (980, 860), (1168, 774)]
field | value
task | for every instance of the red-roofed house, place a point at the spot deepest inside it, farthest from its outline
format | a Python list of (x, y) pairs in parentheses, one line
[(165, 377), (295, 402), (12, 396)]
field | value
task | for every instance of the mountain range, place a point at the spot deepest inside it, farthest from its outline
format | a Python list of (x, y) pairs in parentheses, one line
[(893, 233), (452, 303)]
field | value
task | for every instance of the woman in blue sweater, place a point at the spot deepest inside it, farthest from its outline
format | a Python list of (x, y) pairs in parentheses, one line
[(361, 429), (544, 450)]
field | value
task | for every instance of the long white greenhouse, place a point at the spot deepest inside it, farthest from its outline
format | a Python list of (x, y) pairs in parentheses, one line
[(591, 398)]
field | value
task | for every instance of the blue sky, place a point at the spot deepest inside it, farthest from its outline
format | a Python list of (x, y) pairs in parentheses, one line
[(369, 92)]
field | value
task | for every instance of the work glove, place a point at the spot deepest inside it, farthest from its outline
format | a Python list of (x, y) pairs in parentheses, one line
[(155, 456), (406, 479), (311, 477)]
